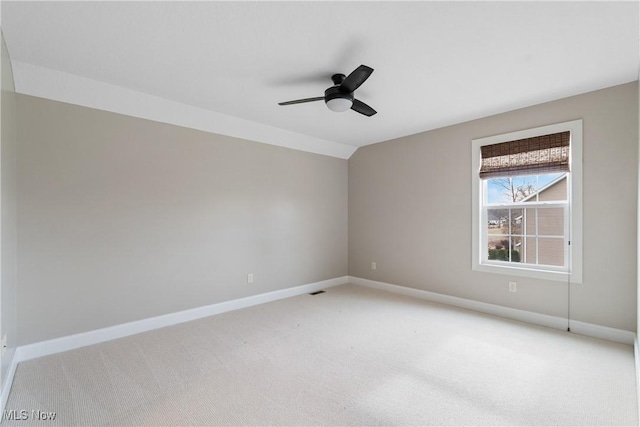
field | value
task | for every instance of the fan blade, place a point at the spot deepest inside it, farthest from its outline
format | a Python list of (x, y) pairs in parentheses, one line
[(300, 101), (356, 78), (362, 108)]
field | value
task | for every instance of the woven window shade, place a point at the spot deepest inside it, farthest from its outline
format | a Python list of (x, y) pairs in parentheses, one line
[(530, 156)]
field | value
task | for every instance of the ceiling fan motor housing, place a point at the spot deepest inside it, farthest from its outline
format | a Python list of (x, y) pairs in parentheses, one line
[(337, 100), (334, 92), (338, 79)]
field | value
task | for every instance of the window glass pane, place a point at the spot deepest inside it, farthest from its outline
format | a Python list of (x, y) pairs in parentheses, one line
[(527, 188), (517, 221), (510, 190), (553, 187), (498, 221), (498, 248), (546, 179), (517, 254), (496, 190), (551, 251), (522, 187), (530, 250), (530, 221), (551, 221)]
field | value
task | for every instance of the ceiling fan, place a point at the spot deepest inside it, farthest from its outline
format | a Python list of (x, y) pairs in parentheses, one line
[(340, 96)]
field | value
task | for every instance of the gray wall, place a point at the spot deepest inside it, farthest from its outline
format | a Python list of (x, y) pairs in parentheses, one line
[(8, 219), (122, 219), (410, 211)]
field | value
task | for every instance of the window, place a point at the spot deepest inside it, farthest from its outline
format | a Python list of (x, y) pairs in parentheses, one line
[(525, 220), (527, 204)]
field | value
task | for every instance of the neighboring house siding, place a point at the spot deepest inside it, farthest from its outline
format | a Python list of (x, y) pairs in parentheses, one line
[(557, 191), (550, 223), (530, 229)]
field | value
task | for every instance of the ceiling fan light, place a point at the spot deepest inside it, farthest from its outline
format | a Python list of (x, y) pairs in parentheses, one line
[(339, 104)]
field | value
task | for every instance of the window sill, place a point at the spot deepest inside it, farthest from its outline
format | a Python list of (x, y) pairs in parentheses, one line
[(557, 276)]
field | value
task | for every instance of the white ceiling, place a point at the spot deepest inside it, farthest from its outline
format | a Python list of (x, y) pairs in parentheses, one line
[(224, 66)]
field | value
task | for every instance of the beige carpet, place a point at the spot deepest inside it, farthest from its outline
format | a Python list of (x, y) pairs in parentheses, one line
[(350, 356)]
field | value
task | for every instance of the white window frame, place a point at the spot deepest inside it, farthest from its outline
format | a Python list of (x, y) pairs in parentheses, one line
[(574, 184)]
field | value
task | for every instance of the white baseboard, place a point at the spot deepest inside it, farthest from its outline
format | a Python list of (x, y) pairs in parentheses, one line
[(582, 328), (71, 342), (57, 345), (8, 380)]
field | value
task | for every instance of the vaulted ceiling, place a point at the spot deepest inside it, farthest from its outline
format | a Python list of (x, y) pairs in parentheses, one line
[(223, 66)]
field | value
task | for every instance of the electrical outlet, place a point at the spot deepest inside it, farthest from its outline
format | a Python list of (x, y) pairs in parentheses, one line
[(250, 278), (374, 265), (513, 286)]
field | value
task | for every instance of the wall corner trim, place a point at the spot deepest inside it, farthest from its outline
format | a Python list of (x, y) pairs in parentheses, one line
[(71, 342), (581, 328)]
